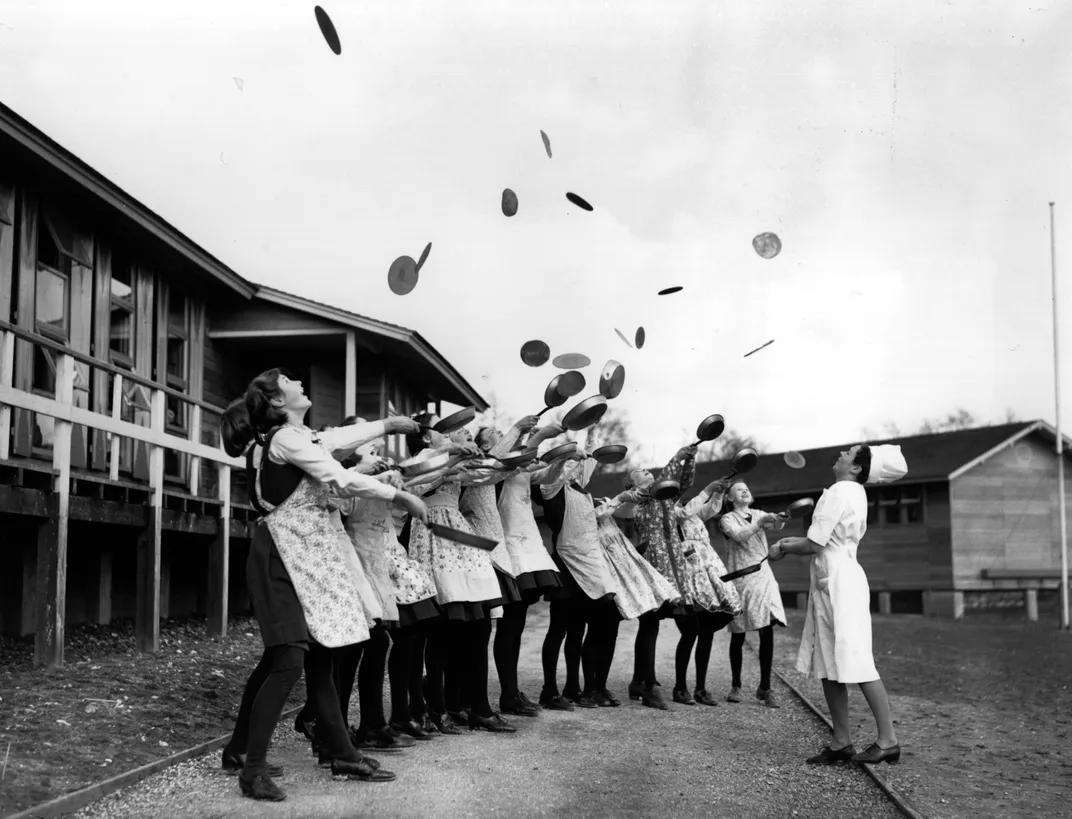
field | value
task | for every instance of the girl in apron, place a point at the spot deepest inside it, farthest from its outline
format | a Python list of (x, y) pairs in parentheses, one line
[(586, 598), (710, 602), (660, 543), (467, 588), (761, 600), (835, 646), (533, 570), (300, 581)]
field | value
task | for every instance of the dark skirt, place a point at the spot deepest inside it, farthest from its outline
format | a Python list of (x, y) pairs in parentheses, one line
[(568, 588), (508, 591), (410, 613), (467, 611), (271, 593), (534, 585)]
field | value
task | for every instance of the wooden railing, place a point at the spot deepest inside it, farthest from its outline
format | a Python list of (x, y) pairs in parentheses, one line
[(52, 544)]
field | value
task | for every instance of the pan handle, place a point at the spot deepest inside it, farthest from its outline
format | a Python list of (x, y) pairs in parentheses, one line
[(541, 412)]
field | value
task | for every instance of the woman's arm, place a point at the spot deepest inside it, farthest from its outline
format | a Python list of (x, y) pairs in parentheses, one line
[(743, 532), (681, 468), (512, 436), (292, 446)]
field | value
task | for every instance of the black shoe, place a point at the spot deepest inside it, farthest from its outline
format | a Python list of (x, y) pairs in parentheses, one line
[(681, 695), (233, 764), (518, 707), (703, 698), (261, 787), (361, 769), (608, 700), (494, 723), (444, 724), (429, 727), (636, 689), (653, 698), (874, 754), (554, 702), (589, 699), (411, 728), (379, 740), (305, 727), (579, 699), (524, 698), (460, 717), (828, 756)]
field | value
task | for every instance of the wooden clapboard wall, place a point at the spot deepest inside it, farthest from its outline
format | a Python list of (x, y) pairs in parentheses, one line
[(1005, 513)]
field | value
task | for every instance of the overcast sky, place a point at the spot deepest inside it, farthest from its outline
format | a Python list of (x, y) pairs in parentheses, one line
[(904, 153)]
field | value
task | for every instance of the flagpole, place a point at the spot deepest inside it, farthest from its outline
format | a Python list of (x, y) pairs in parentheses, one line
[(1060, 441)]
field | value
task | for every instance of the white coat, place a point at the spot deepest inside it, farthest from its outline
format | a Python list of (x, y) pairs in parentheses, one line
[(836, 643)]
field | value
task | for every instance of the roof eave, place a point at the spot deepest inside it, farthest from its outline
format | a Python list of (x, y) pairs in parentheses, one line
[(990, 453), (82, 174)]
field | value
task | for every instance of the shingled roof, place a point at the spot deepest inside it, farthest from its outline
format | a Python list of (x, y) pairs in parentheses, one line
[(930, 458)]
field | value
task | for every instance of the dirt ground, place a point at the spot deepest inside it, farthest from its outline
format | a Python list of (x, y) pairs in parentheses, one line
[(983, 706), (113, 709)]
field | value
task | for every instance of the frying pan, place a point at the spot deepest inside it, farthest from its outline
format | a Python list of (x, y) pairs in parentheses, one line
[(521, 459), (665, 490), (710, 428), (585, 414), (612, 380), (742, 572), (414, 467), (560, 389), (794, 460), (743, 462), (459, 536), (610, 454), (801, 507), (455, 421), (559, 452)]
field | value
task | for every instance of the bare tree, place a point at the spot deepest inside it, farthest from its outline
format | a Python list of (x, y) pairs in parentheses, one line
[(614, 428), (959, 419), (493, 416)]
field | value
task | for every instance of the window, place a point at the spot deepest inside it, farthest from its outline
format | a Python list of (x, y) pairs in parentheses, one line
[(121, 334), (895, 506), (51, 319), (177, 367)]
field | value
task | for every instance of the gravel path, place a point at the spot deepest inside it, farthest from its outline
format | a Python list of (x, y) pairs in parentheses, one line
[(734, 761)]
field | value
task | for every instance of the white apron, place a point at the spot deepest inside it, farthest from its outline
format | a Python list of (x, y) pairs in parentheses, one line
[(836, 642), (579, 548), (522, 535)]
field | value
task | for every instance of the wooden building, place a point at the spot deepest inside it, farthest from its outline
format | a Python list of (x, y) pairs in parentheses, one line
[(121, 341), (977, 512)]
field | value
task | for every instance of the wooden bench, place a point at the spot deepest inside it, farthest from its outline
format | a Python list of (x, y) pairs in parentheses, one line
[(1030, 580)]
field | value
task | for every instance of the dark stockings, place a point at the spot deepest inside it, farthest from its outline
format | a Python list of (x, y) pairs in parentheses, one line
[(567, 623), (599, 644), (477, 639), (507, 648), (284, 664), (320, 686), (407, 651), (698, 629), (240, 735), (370, 680), (435, 661), (766, 656), (689, 626), (644, 649)]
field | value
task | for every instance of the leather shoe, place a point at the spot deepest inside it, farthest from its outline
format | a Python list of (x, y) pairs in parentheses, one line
[(766, 696), (652, 698), (494, 723), (379, 740), (874, 754), (518, 707), (360, 769), (734, 695), (305, 727), (326, 760), (703, 698), (261, 787), (234, 763), (681, 695), (828, 756), (636, 689), (580, 700), (608, 700), (444, 724), (555, 701), (410, 728), (460, 717), (524, 698), (429, 727)]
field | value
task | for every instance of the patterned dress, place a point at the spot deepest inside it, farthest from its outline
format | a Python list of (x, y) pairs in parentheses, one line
[(701, 577), (761, 599), (464, 576), (656, 522), (326, 575), (640, 588)]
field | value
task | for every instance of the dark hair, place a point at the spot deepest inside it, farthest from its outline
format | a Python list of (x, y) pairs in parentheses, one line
[(351, 420), (353, 460), (415, 440), (863, 460), (236, 432), (259, 394), (482, 434)]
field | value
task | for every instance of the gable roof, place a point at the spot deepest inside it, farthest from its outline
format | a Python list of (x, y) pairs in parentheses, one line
[(936, 457)]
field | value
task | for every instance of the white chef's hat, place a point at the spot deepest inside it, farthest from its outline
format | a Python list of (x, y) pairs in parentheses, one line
[(887, 464)]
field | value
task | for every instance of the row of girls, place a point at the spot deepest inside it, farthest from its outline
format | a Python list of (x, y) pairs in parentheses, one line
[(336, 593)]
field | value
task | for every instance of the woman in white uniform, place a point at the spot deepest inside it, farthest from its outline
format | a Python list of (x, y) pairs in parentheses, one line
[(836, 644)]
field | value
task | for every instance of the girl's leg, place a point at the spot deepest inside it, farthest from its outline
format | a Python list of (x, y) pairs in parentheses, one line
[(435, 660), (398, 673), (766, 656), (508, 647), (478, 637), (552, 644), (418, 640), (647, 637), (709, 624), (330, 727), (284, 669), (346, 662), (575, 629), (240, 735), (736, 657), (688, 625), (837, 699), (370, 679)]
